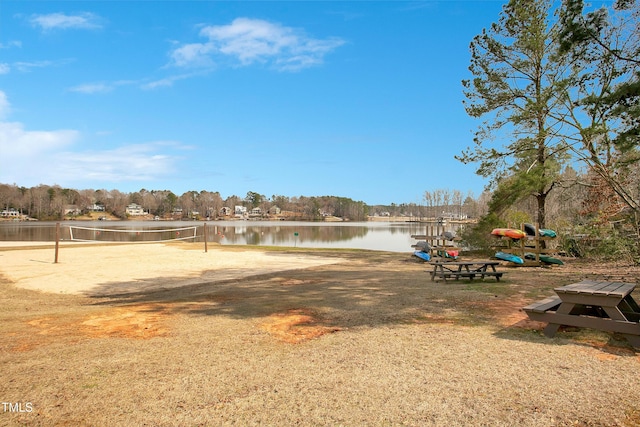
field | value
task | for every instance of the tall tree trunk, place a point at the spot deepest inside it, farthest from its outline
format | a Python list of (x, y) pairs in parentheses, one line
[(541, 198)]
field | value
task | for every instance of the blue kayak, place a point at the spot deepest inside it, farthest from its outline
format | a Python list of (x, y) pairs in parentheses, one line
[(422, 255), (509, 257)]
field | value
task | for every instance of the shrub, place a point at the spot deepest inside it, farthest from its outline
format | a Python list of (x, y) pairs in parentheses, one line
[(478, 237)]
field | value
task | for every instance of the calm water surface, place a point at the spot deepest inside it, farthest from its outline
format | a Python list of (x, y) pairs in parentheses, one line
[(386, 236)]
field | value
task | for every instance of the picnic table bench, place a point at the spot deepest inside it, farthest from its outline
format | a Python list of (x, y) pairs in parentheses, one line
[(468, 269), (606, 306)]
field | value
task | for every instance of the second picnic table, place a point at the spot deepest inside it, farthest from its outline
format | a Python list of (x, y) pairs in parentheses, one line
[(606, 306), (468, 269)]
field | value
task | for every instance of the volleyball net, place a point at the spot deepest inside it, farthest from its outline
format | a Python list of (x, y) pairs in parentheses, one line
[(122, 235)]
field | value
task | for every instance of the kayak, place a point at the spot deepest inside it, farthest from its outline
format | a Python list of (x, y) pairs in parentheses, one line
[(530, 229), (453, 254), (547, 233), (509, 257), (449, 235), (423, 246), (422, 255), (449, 254), (544, 258), (509, 232), (543, 232), (550, 260)]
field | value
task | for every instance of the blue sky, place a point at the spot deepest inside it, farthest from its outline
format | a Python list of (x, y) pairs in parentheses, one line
[(356, 99)]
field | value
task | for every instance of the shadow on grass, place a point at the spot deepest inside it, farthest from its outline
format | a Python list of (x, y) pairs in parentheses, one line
[(607, 342), (380, 289), (367, 289)]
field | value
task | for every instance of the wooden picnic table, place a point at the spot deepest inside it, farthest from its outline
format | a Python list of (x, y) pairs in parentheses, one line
[(468, 269), (606, 306)]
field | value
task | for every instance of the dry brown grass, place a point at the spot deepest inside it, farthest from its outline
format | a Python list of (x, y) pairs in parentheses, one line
[(367, 341)]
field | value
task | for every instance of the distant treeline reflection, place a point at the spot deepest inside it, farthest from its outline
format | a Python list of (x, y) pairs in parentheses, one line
[(282, 235)]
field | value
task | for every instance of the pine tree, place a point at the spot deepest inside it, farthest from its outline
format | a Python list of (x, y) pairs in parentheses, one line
[(514, 87)]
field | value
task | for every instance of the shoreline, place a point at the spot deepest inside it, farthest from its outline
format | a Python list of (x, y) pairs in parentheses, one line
[(332, 220)]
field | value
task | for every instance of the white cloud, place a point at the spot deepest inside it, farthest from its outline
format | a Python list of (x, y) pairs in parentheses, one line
[(4, 105), (245, 41), (18, 145), (101, 87), (16, 142), (10, 44), (140, 162), (63, 21), (250, 41), (25, 67), (36, 157), (90, 88), (30, 155), (168, 81), (193, 54), (145, 84)]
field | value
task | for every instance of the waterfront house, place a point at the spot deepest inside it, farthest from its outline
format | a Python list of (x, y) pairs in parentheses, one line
[(72, 210), (240, 211), (96, 208), (274, 210), (134, 209), (10, 213)]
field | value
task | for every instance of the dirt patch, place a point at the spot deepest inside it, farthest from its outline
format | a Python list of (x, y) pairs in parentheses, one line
[(296, 325), (134, 322), (149, 321), (138, 322)]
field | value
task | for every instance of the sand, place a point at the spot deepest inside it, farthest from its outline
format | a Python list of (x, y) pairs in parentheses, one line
[(118, 269)]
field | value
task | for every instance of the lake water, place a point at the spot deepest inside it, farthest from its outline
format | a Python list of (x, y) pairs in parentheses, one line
[(385, 236)]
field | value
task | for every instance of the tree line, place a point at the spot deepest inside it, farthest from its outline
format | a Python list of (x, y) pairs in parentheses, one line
[(50, 202), (45, 202)]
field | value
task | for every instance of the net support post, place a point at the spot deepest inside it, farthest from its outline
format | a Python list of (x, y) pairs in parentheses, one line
[(55, 261), (206, 237)]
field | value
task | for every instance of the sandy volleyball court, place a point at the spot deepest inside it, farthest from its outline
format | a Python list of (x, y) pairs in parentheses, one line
[(117, 269)]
